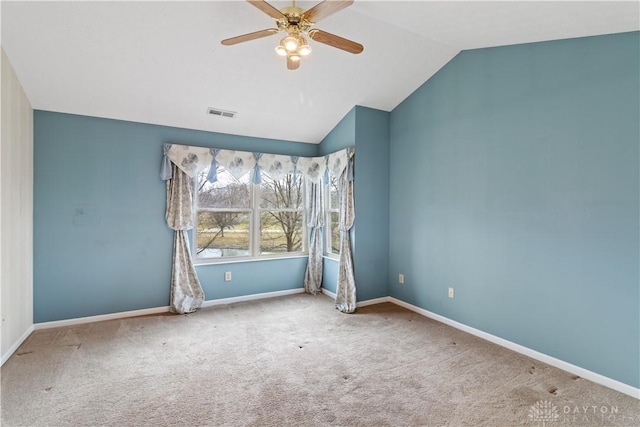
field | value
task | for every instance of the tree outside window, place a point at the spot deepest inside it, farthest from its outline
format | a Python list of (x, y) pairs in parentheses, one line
[(236, 218), (333, 217)]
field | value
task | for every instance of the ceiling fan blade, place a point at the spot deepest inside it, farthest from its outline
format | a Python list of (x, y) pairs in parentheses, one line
[(324, 9), (336, 41), (291, 64), (250, 36), (267, 8)]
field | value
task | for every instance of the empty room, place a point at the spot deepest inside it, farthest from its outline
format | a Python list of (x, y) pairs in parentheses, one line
[(320, 213)]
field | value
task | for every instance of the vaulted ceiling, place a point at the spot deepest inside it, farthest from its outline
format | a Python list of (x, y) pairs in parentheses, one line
[(162, 62)]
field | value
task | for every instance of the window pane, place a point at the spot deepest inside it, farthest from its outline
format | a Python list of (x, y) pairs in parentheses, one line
[(334, 199), (280, 232), (285, 193), (335, 233), (222, 234), (226, 192)]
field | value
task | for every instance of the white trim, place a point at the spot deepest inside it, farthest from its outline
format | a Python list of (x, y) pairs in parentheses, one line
[(15, 345), (359, 303), (549, 360), (372, 301), (224, 301), (100, 318), (237, 260), (328, 293), (156, 310)]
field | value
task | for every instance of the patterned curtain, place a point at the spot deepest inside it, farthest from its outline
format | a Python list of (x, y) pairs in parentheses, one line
[(186, 292), (315, 222), (192, 160), (346, 288), (181, 163)]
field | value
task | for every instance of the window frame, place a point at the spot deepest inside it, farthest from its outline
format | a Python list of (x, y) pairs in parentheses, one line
[(255, 212), (328, 235)]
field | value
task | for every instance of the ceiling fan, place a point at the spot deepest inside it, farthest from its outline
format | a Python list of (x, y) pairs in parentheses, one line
[(296, 23)]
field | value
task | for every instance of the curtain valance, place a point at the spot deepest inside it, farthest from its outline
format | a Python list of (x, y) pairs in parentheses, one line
[(192, 160)]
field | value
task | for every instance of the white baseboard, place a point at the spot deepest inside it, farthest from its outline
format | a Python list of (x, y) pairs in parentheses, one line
[(549, 360), (15, 346), (328, 293), (359, 303), (156, 310), (99, 318), (224, 301), (372, 301)]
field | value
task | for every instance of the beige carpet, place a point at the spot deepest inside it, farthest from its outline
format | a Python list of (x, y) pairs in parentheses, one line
[(291, 361)]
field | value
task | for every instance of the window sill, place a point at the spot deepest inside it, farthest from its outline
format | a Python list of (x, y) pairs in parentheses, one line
[(199, 263)]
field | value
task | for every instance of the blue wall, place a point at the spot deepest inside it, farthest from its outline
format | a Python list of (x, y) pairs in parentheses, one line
[(101, 244), (515, 180), (343, 135), (371, 190), (368, 130)]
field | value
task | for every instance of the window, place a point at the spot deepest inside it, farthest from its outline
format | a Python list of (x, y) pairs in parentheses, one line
[(332, 232), (223, 215), (235, 218), (281, 214)]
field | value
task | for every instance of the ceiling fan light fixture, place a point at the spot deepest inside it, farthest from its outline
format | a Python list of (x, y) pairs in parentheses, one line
[(294, 57), (304, 50), (281, 50), (290, 43)]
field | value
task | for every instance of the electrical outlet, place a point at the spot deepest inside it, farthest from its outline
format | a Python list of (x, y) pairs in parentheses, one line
[(400, 278), (451, 293), (227, 276)]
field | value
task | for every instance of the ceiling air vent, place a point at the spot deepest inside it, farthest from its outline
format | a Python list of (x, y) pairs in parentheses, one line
[(221, 113)]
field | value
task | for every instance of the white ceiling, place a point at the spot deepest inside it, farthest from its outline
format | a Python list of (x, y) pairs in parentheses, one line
[(162, 62)]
